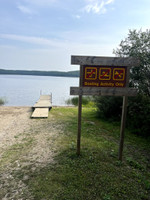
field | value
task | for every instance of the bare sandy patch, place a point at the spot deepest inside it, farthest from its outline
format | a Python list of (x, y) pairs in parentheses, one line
[(25, 143)]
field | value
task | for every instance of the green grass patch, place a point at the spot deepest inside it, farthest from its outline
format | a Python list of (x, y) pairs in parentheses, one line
[(86, 101), (96, 173), (15, 151), (91, 176)]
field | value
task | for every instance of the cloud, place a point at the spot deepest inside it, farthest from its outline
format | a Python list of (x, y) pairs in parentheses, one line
[(97, 6), (25, 9), (34, 52), (47, 58), (33, 40), (40, 2), (109, 2), (77, 16), (32, 6), (61, 40)]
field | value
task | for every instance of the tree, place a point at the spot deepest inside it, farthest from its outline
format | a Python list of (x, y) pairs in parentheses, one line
[(137, 44)]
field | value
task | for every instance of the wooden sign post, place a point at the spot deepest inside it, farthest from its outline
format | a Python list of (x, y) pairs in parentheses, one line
[(105, 76), (79, 114)]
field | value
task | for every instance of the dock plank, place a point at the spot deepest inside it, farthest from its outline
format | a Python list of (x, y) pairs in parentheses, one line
[(42, 107), (42, 104), (40, 113), (45, 97)]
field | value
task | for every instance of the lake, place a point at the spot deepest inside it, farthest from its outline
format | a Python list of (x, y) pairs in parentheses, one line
[(25, 90)]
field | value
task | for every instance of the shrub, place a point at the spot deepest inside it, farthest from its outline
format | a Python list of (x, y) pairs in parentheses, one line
[(138, 117), (2, 101), (74, 101), (138, 113), (109, 107), (137, 45)]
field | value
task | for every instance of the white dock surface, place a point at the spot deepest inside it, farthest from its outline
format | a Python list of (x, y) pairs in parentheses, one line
[(42, 107), (40, 112)]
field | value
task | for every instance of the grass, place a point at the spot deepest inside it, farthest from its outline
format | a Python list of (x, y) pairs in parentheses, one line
[(86, 101), (96, 173), (14, 152)]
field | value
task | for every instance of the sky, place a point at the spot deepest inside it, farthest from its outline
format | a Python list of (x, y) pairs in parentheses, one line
[(43, 34)]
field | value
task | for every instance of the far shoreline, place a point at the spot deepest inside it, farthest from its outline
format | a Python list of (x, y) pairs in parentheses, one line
[(71, 74)]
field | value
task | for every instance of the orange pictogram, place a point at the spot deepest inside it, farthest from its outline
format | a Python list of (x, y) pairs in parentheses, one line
[(118, 74), (90, 73), (105, 73)]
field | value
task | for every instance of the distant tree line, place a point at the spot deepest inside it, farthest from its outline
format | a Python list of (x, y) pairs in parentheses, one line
[(40, 73)]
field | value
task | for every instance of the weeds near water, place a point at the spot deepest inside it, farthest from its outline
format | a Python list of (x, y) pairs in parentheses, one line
[(2, 101)]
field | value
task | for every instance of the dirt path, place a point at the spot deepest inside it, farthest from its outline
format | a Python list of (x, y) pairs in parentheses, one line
[(13, 121), (25, 145)]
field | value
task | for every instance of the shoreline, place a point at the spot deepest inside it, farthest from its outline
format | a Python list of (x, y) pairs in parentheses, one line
[(53, 106)]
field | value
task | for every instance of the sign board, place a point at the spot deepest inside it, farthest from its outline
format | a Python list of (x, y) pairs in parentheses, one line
[(103, 91), (104, 61), (104, 76)]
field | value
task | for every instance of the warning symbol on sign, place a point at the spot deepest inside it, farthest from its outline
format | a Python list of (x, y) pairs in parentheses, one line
[(118, 74), (105, 74), (90, 73)]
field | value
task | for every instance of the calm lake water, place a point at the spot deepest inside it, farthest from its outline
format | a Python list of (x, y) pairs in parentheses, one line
[(25, 90)]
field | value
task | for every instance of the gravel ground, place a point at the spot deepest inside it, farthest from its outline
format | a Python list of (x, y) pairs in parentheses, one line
[(25, 145)]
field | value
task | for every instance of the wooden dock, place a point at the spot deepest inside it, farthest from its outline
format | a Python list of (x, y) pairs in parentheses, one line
[(42, 107)]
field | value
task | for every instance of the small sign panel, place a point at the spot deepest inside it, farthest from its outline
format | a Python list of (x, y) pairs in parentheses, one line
[(90, 73), (104, 73), (104, 76), (118, 74)]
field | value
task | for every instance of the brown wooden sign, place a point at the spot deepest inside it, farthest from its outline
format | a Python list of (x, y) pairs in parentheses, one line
[(104, 76), (103, 91), (104, 61)]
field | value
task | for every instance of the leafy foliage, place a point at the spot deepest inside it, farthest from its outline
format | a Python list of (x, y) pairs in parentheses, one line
[(139, 115), (109, 107), (137, 45), (2, 101)]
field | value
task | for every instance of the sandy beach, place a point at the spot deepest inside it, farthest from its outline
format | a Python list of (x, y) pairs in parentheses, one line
[(24, 143)]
